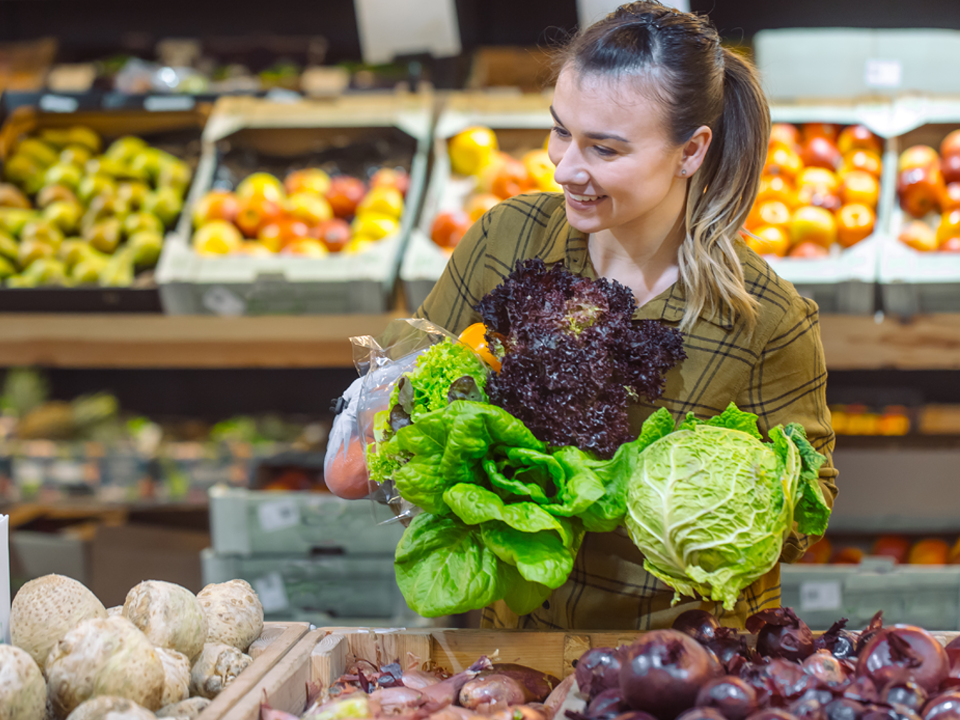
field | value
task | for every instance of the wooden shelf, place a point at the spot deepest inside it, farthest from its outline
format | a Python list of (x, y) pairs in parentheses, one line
[(158, 341)]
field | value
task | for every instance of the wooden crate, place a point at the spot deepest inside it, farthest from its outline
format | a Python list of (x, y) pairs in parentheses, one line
[(276, 640), (322, 656)]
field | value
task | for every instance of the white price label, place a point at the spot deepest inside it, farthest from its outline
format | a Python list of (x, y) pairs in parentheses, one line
[(169, 103), (278, 515), (221, 301), (820, 595), (883, 73), (272, 593), (58, 104)]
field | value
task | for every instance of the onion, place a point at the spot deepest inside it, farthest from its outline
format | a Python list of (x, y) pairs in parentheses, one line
[(954, 644), (844, 709), (698, 624), (772, 714), (862, 690), (825, 669), (947, 705), (635, 715), (953, 675), (780, 633), (730, 696), (882, 712), (701, 713), (904, 651), (727, 646), (597, 670), (841, 643), (778, 681), (904, 693), (605, 706), (662, 672), (807, 709)]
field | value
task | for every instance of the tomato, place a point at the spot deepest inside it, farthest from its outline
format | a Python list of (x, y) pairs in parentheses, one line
[(474, 337)]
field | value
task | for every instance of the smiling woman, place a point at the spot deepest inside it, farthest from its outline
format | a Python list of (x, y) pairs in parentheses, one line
[(659, 141)]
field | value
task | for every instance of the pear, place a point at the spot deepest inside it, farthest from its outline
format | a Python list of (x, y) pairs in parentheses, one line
[(56, 137), (7, 268), (165, 203), (13, 220), (82, 135), (124, 149), (44, 231), (133, 193), (25, 172), (118, 272), (104, 235), (34, 148), (101, 208), (93, 185), (87, 271), (63, 215), (175, 175), (150, 162), (11, 196), (146, 246), (56, 193), (21, 281), (140, 221), (76, 155), (8, 247), (65, 174), (33, 250), (47, 271), (73, 250)]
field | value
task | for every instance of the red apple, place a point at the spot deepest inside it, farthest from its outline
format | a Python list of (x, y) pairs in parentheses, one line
[(390, 177), (334, 234), (920, 190), (256, 212), (950, 199), (345, 194), (809, 251), (449, 227), (950, 168), (858, 137), (917, 156), (216, 205), (820, 152), (784, 134), (830, 131), (951, 144), (919, 236), (952, 245)]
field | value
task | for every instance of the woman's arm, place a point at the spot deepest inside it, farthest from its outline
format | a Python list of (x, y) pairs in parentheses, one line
[(788, 385)]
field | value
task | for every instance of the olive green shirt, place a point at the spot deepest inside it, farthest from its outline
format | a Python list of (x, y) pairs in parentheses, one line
[(777, 372)]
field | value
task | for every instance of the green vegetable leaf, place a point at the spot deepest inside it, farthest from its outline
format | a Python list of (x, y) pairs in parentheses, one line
[(523, 596), (436, 368), (445, 567), (654, 427), (812, 511), (539, 557), (733, 418)]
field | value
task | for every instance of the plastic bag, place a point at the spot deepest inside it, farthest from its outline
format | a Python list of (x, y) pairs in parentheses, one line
[(381, 362)]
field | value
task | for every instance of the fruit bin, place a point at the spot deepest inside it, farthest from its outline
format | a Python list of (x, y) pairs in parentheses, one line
[(323, 655), (913, 281), (245, 135), (250, 522), (521, 122), (845, 281), (275, 641), (176, 131)]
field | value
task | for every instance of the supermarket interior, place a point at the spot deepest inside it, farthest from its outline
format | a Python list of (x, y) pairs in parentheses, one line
[(218, 216)]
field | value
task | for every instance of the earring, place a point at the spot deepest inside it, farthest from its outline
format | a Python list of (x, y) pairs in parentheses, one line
[(683, 172)]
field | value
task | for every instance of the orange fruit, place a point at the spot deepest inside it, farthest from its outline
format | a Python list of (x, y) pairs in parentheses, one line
[(818, 177), (475, 338), (819, 553), (865, 160), (769, 240), (813, 224), (919, 236), (774, 213), (783, 161), (775, 187), (949, 226), (929, 552), (830, 131), (784, 134), (854, 222), (894, 546), (859, 186), (847, 556)]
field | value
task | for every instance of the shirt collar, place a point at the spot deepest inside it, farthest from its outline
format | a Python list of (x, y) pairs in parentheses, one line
[(668, 306)]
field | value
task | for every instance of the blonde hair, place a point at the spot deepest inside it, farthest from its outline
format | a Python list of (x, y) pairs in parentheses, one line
[(698, 82)]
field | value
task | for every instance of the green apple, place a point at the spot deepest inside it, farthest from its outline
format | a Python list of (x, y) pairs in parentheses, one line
[(165, 203), (63, 215)]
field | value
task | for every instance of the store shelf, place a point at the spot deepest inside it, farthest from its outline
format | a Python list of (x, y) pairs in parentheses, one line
[(157, 341)]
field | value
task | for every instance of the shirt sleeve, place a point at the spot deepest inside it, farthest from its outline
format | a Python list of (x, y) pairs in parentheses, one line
[(788, 385), (460, 288)]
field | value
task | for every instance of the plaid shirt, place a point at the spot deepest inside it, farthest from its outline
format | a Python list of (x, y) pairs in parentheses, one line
[(778, 373)]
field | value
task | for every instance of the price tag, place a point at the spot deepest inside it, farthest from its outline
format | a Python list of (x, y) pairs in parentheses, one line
[(221, 301), (278, 515), (169, 103), (4, 581), (407, 27), (820, 595), (58, 104), (883, 73), (272, 593)]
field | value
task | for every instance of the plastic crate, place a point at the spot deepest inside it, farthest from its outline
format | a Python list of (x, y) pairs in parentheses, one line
[(250, 522), (822, 594), (519, 121), (336, 585), (912, 281), (274, 137)]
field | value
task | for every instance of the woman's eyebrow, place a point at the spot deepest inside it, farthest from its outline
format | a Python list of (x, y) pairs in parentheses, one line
[(592, 135)]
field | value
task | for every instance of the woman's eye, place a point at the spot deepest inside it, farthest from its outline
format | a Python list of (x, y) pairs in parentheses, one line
[(604, 151), (560, 132)]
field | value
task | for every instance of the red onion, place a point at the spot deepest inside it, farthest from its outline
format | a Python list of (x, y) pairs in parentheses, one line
[(862, 690), (780, 633), (904, 651), (605, 706), (772, 714), (844, 709), (942, 707), (807, 709), (730, 696), (597, 670), (698, 624), (663, 671), (701, 713), (825, 669), (953, 675), (903, 692)]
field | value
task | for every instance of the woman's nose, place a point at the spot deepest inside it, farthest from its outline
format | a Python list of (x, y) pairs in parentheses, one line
[(570, 170)]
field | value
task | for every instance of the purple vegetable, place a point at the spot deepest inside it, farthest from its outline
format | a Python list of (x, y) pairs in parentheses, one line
[(771, 714), (535, 684), (701, 713), (904, 693), (882, 712), (844, 709), (867, 634), (826, 669), (807, 709), (491, 692), (728, 646), (780, 633), (730, 696), (663, 671), (838, 641), (953, 675), (777, 682), (698, 624), (635, 715), (943, 707), (606, 706), (436, 697), (862, 690), (597, 670), (904, 651)]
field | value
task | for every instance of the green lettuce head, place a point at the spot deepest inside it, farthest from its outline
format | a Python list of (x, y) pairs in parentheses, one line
[(710, 503)]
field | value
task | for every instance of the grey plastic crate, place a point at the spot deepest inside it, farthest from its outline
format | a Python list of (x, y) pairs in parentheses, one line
[(336, 585), (925, 596), (249, 522)]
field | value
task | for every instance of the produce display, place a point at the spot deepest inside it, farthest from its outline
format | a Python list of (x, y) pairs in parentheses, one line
[(697, 670), (165, 651), (72, 213), (511, 463), (899, 548), (819, 190), (928, 189), (309, 214), (485, 175)]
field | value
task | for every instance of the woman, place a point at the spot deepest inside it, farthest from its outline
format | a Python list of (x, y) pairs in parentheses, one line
[(659, 141)]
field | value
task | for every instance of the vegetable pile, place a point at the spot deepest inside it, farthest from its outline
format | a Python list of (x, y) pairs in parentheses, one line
[(165, 651), (512, 466)]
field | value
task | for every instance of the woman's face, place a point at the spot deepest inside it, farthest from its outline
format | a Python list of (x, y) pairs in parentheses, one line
[(615, 160)]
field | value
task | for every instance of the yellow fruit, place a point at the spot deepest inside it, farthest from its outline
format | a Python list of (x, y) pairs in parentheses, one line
[(471, 149), (358, 244), (254, 249), (541, 169), (382, 201), (217, 237), (374, 225)]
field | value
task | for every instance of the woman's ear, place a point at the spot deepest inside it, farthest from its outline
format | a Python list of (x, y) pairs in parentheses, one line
[(694, 150)]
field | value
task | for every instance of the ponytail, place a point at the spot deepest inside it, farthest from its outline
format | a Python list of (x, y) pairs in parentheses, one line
[(719, 198), (699, 83)]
